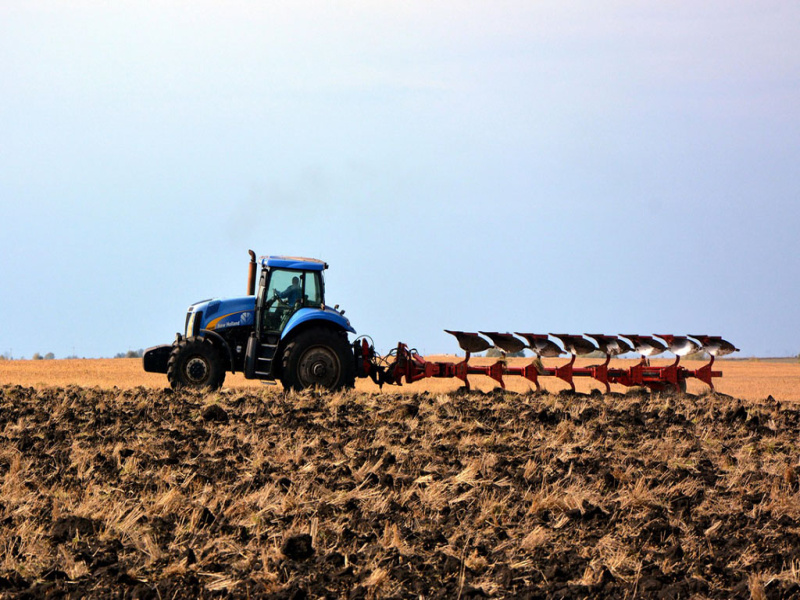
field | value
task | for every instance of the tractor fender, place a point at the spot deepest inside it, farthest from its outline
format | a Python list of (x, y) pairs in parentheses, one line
[(220, 343), (309, 318), (327, 316)]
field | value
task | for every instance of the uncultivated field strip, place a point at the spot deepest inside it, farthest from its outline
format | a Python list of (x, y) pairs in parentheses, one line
[(745, 379)]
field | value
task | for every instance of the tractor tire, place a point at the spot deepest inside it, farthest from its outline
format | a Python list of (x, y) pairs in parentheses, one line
[(318, 358), (195, 364)]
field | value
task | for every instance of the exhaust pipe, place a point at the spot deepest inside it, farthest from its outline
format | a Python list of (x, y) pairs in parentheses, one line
[(251, 279)]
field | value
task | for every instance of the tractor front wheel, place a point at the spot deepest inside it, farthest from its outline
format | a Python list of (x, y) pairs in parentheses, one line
[(195, 363), (318, 358)]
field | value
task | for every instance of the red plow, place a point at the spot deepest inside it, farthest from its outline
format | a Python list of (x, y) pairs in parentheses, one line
[(405, 364)]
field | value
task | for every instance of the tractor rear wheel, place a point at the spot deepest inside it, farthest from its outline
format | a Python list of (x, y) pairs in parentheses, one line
[(195, 363), (318, 358)]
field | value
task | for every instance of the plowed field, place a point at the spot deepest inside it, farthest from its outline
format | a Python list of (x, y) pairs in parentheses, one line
[(255, 493)]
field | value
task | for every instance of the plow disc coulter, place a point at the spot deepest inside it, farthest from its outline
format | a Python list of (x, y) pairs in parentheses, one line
[(409, 366)]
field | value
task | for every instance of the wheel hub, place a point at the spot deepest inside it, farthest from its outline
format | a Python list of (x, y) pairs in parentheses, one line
[(319, 369), (319, 366), (196, 369)]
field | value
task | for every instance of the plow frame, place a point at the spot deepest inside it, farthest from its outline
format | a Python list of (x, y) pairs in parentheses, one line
[(409, 366)]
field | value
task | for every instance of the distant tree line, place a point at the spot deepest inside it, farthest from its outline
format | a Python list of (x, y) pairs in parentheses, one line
[(130, 354), (36, 356), (50, 356)]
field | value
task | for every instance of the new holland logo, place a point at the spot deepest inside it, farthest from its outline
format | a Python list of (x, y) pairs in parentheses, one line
[(245, 318)]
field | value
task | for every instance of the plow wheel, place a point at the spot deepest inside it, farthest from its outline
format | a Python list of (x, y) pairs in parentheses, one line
[(318, 358), (195, 363)]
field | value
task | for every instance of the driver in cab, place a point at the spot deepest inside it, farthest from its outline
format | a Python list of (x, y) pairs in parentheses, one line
[(292, 293)]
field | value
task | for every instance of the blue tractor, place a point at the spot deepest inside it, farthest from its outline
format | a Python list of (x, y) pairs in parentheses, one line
[(281, 331)]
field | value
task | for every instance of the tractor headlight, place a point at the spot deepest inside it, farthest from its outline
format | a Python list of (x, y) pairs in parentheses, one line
[(190, 324)]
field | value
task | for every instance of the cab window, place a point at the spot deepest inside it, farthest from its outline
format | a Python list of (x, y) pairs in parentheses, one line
[(286, 292), (311, 292), (286, 286)]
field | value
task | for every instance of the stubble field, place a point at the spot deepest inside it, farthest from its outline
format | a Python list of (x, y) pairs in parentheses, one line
[(250, 492)]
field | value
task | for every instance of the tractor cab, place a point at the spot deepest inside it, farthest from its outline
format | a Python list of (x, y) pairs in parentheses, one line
[(286, 286), (294, 329)]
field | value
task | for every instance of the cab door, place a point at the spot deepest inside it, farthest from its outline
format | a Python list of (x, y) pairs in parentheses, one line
[(284, 294), (274, 307)]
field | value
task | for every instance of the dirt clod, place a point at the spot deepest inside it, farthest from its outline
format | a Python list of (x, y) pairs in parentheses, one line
[(215, 413), (66, 528), (298, 547)]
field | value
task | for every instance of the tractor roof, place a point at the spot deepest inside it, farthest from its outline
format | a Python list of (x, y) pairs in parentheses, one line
[(294, 262)]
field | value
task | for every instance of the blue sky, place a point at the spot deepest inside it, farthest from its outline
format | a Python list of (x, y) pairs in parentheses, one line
[(514, 166)]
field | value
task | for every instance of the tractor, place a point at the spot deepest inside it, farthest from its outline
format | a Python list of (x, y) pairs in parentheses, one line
[(283, 330)]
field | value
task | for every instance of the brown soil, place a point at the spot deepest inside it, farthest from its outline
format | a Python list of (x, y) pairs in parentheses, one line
[(245, 493)]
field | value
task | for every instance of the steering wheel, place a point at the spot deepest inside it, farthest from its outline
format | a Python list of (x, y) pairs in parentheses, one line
[(277, 296)]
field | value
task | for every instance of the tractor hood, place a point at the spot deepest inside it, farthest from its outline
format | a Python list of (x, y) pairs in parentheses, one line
[(221, 313)]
